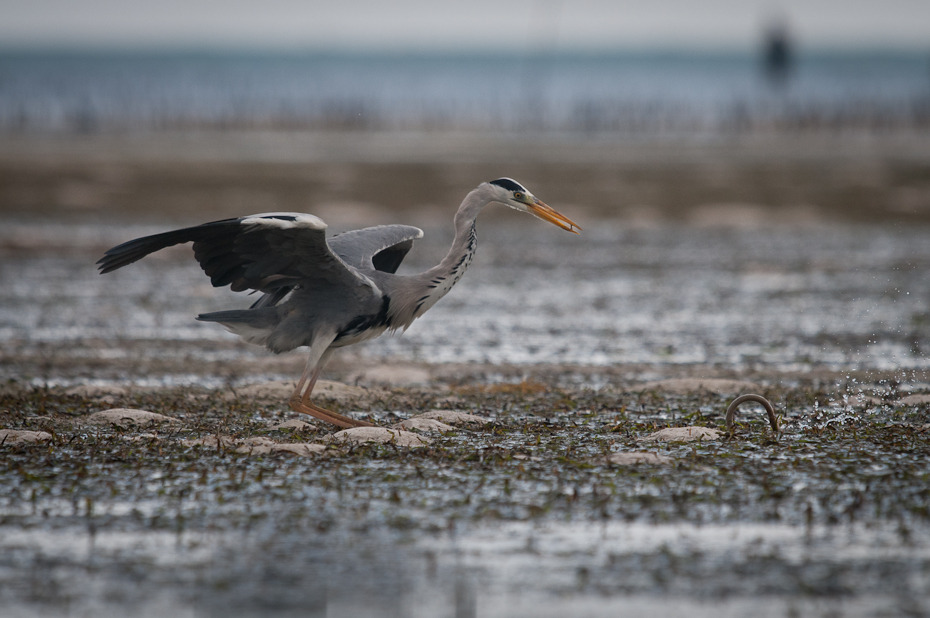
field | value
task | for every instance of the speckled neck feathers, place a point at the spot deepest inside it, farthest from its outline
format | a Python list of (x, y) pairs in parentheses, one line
[(437, 281)]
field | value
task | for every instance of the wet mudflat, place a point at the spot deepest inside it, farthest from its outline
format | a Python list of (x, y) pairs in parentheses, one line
[(574, 349), (527, 515)]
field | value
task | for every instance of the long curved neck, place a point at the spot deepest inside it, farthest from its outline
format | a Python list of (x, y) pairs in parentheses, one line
[(426, 288), (463, 247)]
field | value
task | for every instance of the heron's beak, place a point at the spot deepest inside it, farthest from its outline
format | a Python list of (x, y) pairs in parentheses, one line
[(547, 213)]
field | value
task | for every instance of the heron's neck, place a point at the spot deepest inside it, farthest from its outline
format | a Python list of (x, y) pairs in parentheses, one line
[(465, 242), (437, 281)]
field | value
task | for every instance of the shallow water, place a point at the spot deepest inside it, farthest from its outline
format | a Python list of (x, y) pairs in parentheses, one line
[(842, 297), (638, 93), (514, 569)]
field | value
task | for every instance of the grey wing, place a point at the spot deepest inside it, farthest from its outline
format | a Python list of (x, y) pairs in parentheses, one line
[(382, 247), (270, 253)]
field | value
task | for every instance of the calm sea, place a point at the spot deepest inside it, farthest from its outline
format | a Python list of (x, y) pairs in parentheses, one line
[(621, 92)]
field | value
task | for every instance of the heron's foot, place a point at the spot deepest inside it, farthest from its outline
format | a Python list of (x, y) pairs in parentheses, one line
[(305, 407)]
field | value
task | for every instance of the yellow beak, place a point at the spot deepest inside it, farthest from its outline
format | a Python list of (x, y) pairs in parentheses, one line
[(547, 213)]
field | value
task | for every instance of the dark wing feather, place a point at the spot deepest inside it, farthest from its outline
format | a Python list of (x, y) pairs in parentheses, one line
[(267, 253), (389, 260), (134, 250), (382, 247)]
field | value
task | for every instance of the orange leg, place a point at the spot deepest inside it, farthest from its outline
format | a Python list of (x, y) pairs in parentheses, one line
[(300, 400)]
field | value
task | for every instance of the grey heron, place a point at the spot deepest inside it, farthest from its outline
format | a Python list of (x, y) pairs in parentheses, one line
[(327, 293)]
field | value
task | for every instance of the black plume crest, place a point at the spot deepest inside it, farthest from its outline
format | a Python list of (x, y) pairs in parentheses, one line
[(509, 184)]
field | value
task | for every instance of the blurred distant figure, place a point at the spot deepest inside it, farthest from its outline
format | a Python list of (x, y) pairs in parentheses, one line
[(777, 55)]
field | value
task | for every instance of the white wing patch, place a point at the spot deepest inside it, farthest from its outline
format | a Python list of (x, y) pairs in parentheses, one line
[(285, 220)]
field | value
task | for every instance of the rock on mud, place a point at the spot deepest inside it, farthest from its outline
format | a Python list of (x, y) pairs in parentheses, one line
[(683, 434), (379, 435), (256, 445), (125, 417), (265, 446), (424, 424), (22, 436), (453, 417)]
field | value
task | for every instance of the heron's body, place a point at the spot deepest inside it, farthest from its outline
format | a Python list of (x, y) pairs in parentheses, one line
[(326, 294)]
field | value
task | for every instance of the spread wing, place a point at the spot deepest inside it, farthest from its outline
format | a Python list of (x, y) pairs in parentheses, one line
[(382, 247), (270, 253)]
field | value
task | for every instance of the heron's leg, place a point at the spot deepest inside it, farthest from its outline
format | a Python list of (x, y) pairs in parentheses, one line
[(300, 400)]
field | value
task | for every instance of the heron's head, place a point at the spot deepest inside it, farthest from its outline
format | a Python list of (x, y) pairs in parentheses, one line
[(511, 193)]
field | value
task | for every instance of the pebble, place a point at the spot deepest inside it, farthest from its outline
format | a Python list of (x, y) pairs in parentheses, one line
[(265, 446), (380, 435), (683, 434), (22, 436), (124, 417), (454, 417), (257, 445), (424, 424)]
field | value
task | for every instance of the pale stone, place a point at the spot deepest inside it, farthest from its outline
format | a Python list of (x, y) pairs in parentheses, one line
[(638, 457), (256, 445), (124, 417), (381, 435), (294, 448), (683, 434), (454, 417), (22, 436), (424, 424)]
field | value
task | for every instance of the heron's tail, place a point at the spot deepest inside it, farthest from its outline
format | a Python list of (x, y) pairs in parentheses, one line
[(254, 325)]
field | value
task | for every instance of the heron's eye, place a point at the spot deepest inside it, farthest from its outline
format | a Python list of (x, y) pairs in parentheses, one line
[(517, 195)]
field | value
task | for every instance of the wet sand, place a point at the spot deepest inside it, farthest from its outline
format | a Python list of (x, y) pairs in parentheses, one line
[(791, 266)]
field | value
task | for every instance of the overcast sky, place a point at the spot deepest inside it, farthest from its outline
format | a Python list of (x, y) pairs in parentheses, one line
[(466, 24)]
